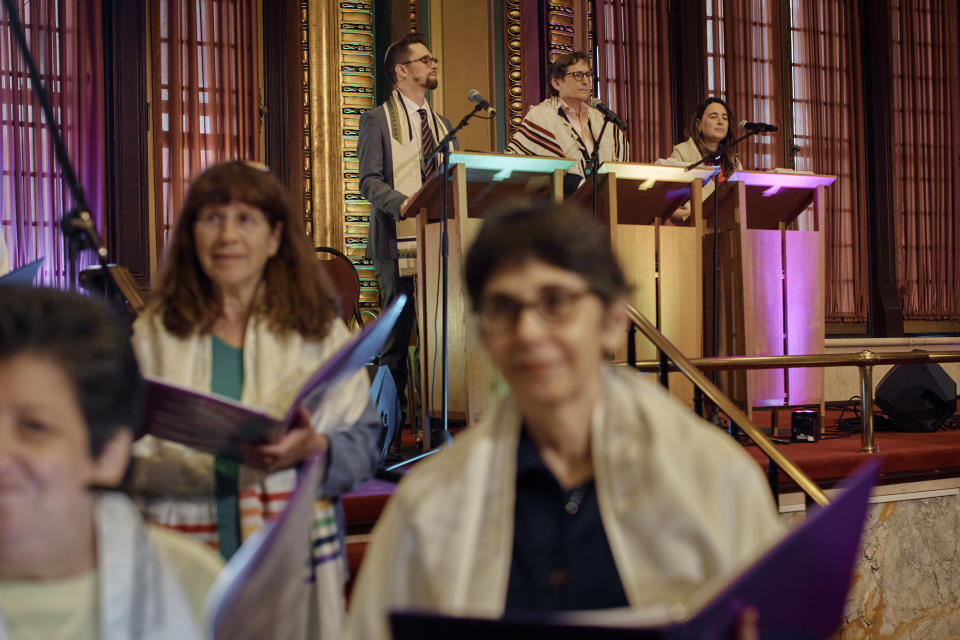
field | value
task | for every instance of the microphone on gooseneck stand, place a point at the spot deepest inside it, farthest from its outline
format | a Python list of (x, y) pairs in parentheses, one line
[(757, 127), (608, 113), (474, 96)]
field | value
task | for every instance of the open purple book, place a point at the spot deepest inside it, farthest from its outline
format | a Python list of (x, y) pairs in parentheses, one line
[(218, 425), (799, 588), (263, 590)]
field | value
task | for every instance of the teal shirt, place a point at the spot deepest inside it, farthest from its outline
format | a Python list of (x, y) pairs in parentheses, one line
[(226, 379)]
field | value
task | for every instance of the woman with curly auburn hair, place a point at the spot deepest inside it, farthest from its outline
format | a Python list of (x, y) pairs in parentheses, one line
[(241, 309)]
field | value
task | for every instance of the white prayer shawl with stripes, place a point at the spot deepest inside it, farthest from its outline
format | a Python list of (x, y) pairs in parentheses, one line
[(546, 131), (407, 159), (180, 479)]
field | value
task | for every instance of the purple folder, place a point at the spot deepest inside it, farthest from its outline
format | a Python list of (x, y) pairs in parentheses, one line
[(264, 588), (218, 425), (24, 276), (799, 588)]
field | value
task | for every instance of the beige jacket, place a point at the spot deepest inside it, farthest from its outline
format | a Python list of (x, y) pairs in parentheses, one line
[(680, 501), (687, 152)]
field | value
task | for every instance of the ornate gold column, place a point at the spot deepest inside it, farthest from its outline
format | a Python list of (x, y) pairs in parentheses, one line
[(513, 59), (337, 39), (568, 27)]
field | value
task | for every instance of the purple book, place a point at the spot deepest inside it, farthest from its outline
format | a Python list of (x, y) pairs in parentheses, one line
[(799, 587), (263, 590), (25, 276), (218, 425)]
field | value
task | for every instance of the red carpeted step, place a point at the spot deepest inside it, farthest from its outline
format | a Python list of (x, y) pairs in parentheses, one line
[(363, 506)]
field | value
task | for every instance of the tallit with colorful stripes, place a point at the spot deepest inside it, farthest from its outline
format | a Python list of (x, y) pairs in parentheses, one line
[(179, 481), (546, 131)]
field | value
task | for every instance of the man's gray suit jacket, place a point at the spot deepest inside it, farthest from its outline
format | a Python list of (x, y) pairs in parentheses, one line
[(376, 182)]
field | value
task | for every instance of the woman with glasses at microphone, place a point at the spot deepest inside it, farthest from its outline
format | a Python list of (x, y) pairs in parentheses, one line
[(565, 125)]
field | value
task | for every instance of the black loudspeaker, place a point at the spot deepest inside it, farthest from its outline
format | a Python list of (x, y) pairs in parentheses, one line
[(917, 397)]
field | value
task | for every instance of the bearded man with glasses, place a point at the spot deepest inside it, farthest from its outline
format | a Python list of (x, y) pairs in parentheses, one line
[(396, 141), (565, 125)]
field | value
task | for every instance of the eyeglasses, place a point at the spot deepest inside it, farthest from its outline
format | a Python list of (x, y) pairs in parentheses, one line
[(554, 305), (580, 76), (243, 221), (426, 60)]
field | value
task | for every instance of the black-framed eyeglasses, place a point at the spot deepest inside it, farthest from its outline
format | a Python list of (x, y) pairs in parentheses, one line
[(555, 305), (580, 76), (425, 60)]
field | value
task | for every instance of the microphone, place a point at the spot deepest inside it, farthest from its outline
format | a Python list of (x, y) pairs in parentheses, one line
[(608, 113), (474, 96), (757, 127)]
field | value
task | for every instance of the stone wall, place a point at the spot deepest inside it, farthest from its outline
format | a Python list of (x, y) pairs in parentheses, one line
[(907, 581)]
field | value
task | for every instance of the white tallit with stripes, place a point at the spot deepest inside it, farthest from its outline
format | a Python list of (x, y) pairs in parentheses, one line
[(545, 131), (407, 167)]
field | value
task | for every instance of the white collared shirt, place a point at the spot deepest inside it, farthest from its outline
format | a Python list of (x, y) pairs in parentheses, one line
[(575, 119), (414, 115)]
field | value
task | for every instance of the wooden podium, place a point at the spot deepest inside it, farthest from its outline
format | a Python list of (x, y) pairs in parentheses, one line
[(771, 284), (660, 255), (477, 182)]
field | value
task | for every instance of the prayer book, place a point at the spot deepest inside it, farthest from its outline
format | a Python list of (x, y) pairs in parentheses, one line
[(218, 425), (24, 276), (798, 587), (262, 592)]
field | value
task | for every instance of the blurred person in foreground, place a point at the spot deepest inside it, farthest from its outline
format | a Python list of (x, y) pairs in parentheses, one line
[(585, 488), (78, 562), (243, 310)]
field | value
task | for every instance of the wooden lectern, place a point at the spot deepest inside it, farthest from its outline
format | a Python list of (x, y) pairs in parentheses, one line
[(771, 284), (477, 182), (660, 254)]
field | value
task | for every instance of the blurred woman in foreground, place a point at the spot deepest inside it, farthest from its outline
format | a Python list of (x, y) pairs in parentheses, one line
[(241, 310), (586, 488)]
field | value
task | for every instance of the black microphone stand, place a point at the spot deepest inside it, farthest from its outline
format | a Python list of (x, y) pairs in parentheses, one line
[(76, 224), (442, 147), (716, 157), (595, 168)]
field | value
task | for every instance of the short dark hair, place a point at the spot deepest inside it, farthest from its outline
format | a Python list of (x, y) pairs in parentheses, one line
[(558, 68), (79, 335), (560, 235), (399, 50)]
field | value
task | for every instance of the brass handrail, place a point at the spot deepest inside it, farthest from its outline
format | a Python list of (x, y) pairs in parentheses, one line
[(866, 360), (727, 406), (805, 361)]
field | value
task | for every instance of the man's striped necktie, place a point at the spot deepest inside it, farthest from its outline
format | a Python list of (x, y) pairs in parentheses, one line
[(428, 144)]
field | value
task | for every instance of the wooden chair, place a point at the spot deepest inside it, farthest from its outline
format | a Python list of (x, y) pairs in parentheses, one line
[(346, 280)]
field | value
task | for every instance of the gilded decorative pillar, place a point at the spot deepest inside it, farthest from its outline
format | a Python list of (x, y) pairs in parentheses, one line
[(513, 60), (338, 61), (414, 15), (568, 27)]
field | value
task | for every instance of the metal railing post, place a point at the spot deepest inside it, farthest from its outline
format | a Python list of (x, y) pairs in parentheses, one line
[(866, 401), (663, 372)]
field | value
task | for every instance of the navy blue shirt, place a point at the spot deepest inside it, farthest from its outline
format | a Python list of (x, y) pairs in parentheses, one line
[(561, 556)]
